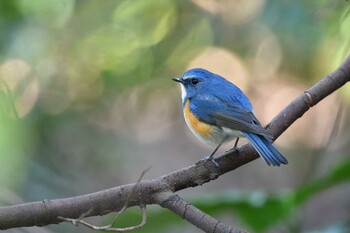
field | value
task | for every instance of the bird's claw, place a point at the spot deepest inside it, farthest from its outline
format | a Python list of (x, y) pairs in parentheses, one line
[(235, 148), (205, 159)]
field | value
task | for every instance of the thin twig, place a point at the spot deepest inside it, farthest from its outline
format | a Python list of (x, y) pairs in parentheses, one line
[(110, 227)]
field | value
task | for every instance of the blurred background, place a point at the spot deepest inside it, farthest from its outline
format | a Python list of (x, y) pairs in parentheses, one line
[(87, 103)]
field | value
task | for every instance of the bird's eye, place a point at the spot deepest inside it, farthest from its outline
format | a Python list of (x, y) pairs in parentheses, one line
[(194, 81)]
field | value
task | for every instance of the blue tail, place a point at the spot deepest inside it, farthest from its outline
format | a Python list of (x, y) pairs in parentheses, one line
[(266, 150)]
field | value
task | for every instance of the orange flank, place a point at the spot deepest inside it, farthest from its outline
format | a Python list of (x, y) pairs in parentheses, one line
[(201, 129)]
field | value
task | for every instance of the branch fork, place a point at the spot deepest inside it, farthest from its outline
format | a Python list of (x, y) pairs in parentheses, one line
[(162, 190)]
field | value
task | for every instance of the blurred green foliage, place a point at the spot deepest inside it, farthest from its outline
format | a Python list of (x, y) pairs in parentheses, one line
[(79, 81)]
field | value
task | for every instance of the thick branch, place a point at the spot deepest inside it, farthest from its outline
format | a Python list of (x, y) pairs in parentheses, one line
[(106, 201), (310, 98), (193, 215)]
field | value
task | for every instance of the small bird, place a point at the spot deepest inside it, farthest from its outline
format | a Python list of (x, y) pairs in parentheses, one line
[(217, 111)]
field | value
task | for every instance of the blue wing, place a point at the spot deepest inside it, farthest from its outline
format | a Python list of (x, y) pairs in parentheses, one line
[(219, 112), (216, 111)]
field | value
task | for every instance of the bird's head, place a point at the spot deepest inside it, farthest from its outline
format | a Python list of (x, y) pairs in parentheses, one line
[(196, 81)]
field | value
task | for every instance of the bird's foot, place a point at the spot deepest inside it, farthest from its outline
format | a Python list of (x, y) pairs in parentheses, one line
[(235, 148), (205, 159)]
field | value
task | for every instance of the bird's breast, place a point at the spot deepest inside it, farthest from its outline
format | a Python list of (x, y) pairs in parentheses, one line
[(203, 131)]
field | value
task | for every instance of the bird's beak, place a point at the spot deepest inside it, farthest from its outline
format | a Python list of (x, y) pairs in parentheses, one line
[(179, 80)]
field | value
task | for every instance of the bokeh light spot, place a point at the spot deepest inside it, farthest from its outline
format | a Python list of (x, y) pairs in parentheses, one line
[(112, 48), (233, 12), (224, 63), (150, 20), (24, 89), (198, 38), (50, 12), (267, 59)]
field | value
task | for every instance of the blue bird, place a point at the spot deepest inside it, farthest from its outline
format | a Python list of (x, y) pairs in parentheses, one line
[(217, 111)]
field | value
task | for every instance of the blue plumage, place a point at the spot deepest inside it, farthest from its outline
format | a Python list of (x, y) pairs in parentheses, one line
[(217, 111), (266, 150)]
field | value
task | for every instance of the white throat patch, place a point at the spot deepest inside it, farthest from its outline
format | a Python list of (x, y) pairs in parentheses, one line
[(183, 93)]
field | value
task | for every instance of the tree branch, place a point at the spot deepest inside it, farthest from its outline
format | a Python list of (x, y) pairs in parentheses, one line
[(156, 191), (192, 214)]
